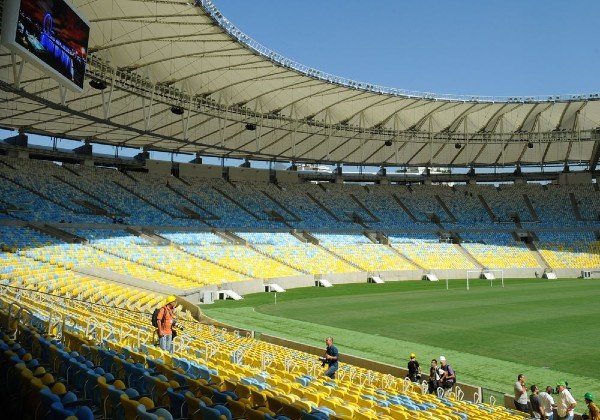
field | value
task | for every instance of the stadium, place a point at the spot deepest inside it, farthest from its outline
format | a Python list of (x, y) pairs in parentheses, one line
[(278, 205)]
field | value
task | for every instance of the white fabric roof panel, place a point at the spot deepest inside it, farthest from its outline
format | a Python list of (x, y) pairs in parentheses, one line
[(155, 55)]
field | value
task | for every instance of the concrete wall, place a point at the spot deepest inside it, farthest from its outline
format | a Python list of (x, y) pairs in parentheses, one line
[(248, 175), (569, 273), (293, 282), (307, 280), (158, 167), (244, 287), (399, 275), (187, 299), (344, 278), (128, 280), (508, 273), (192, 170), (575, 178), (21, 154), (287, 177)]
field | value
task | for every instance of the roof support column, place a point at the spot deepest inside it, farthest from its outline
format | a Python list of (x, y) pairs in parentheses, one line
[(63, 94), (465, 127), (107, 101), (430, 142), (328, 131), (185, 121), (222, 130), (595, 150), (17, 70), (147, 110), (296, 125)]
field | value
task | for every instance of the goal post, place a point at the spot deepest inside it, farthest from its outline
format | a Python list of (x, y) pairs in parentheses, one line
[(490, 275)]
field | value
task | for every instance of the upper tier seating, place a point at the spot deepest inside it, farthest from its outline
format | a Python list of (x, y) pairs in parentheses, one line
[(27, 173), (45, 191), (108, 183)]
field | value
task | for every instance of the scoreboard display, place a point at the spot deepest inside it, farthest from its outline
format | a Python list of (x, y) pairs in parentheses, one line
[(51, 34)]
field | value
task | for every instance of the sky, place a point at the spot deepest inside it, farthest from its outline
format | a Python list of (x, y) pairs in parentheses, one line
[(498, 48)]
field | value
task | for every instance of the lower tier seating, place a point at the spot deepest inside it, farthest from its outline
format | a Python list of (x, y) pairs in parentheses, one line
[(82, 369)]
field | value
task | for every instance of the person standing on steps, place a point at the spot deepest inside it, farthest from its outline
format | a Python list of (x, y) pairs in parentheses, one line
[(165, 320)]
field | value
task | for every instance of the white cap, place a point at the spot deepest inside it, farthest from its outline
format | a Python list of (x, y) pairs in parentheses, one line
[(442, 359)]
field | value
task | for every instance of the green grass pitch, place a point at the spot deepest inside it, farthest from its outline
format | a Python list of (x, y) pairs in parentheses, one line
[(546, 329)]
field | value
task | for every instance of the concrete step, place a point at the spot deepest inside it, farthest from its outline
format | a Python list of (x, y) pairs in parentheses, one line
[(237, 203), (295, 217), (487, 208), (538, 256), (531, 209), (364, 207), (575, 206), (339, 257), (56, 232), (406, 209), (405, 257), (145, 200), (445, 208), (323, 206), (469, 256), (210, 215)]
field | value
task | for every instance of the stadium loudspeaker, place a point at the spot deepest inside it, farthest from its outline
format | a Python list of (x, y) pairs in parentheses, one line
[(457, 146), (530, 145), (388, 142), (250, 127), (177, 110), (98, 84)]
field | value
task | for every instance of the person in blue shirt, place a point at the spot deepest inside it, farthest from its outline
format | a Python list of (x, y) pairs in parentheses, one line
[(331, 358)]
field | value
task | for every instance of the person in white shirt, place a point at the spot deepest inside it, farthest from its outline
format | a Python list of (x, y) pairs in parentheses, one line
[(521, 394), (547, 403), (566, 402)]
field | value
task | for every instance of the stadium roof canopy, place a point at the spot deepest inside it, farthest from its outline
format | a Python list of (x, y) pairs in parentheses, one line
[(239, 99)]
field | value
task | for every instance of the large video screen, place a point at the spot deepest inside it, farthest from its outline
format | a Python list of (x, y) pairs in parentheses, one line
[(53, 32)]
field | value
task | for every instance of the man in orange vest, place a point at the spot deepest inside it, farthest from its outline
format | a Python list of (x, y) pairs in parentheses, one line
[(165, 321)]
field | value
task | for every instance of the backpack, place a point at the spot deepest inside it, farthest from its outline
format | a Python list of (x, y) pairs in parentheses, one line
[(155, 317)]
